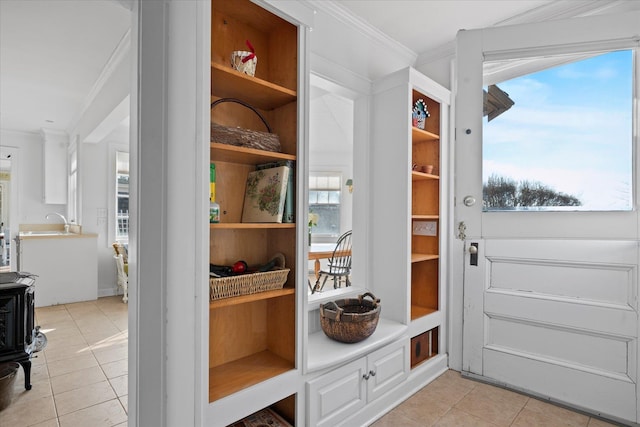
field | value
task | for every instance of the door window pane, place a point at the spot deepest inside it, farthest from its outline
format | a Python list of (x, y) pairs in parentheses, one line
[(561, 138)]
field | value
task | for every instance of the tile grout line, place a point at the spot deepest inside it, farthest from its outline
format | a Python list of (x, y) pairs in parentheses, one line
[(520, 411)]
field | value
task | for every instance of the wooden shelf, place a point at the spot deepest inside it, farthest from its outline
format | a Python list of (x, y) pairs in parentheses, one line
[(418, 176), (242, 373), (243, 299), (418, 311), (423, 257), (421, 135), (250, 225), (425, 216), (232, 154), (227, 82)]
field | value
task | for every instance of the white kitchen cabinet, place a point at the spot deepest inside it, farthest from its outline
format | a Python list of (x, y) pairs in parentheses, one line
[(54, 167), (334, 397)]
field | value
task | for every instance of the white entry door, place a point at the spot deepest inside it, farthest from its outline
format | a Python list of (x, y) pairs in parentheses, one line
[(550, 297)]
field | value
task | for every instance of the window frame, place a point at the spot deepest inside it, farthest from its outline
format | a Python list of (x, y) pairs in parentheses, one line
[(112, 192), (328, 237)]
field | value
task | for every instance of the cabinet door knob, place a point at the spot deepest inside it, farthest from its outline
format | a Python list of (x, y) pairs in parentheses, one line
[(366, 376)]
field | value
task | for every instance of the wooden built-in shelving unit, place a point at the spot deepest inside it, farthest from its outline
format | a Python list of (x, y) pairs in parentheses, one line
[(252, 338), (425, 206)]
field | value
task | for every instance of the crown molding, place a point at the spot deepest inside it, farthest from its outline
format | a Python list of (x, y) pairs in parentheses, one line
[(120, 53), (561, 9), (347, 17), (18, 132)]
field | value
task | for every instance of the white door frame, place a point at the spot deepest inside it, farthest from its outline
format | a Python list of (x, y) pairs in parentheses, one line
[(13, 153), (168, 240)]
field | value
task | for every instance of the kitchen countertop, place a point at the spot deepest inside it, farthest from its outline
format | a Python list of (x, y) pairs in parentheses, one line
[(55, 235), (52, 231)]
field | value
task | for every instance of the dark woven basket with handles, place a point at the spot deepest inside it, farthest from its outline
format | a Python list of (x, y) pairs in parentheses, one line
[(350, 320)]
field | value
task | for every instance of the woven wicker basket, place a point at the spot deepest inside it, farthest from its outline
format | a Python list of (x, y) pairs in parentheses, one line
[(246, 284), (241, 137), (350, 320)]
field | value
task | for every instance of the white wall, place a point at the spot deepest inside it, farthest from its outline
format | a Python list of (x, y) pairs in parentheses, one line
[(95, 164), (438, 69), (31, 209)]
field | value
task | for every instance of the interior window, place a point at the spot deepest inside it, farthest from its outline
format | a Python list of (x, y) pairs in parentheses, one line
[(122, 197), (559, 137)]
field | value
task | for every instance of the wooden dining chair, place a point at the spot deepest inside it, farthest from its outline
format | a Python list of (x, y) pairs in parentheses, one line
[(339, 265)]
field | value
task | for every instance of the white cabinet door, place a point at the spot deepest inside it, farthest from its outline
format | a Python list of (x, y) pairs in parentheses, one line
[(54, 159), (338, 394), (388, 367)]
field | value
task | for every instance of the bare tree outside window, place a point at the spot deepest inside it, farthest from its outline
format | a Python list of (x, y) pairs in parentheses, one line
[(505, 193)]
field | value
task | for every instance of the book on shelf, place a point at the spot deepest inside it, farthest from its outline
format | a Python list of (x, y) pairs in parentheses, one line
[(288, 215), (265, 194)]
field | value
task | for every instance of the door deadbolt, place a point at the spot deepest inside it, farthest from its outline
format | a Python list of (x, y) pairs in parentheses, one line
[(469, 201)]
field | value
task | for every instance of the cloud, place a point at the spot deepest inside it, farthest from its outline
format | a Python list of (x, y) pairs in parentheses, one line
[(603, 72)]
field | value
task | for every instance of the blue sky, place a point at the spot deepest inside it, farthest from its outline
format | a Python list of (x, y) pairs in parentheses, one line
[(571, 129)]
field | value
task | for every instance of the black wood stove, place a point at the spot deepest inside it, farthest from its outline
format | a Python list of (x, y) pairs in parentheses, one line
[(18, 335)]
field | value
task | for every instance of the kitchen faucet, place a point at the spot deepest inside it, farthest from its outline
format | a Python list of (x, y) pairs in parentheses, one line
[(66, 224)]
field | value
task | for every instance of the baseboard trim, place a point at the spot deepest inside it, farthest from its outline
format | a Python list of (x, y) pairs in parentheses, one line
[(107, 292)]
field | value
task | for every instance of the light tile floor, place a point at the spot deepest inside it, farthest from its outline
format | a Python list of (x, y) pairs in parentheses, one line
[(80, 379), (454, 401)]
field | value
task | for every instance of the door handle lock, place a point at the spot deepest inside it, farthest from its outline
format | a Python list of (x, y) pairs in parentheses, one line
[(473, 254)]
